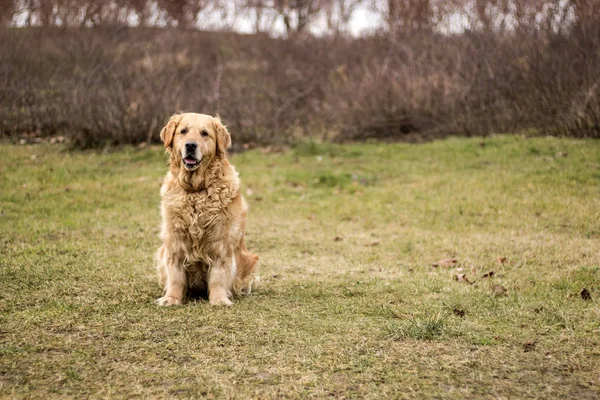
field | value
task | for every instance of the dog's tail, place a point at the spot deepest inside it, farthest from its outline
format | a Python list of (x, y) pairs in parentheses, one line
[(246, 268)]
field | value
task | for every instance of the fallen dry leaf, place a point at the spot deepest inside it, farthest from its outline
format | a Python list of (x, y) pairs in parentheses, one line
[(529, 346), (461, 278), (502, 260), (499, 290), (488, 274), (446, 262), (458, 313), (585, 294)]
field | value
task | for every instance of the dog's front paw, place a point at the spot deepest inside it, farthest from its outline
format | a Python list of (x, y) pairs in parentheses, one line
[(168, 301), (220, 301)]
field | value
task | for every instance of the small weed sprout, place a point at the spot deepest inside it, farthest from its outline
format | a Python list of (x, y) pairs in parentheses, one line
[(419, 328)]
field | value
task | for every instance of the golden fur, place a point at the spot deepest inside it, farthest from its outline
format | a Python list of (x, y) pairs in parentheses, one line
[(203, 215)]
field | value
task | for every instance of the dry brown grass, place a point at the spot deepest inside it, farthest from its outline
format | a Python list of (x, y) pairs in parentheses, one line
[(351, 305)]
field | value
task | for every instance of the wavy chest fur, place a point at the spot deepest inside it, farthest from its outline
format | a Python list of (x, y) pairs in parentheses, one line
[(199, 220)]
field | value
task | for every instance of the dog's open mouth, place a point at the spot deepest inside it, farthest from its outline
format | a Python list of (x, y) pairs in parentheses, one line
[(191, 162)]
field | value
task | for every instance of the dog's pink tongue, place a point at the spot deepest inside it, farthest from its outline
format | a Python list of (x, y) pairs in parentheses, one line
[(190, 161)]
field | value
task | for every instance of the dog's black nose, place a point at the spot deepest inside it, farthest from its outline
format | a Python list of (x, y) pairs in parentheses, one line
[(190, 146)]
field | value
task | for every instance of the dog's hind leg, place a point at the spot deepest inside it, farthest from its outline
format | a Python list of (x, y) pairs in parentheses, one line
[(246, 267)]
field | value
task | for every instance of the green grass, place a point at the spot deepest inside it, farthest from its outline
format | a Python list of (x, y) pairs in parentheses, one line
[(349, 306), (424, 329)]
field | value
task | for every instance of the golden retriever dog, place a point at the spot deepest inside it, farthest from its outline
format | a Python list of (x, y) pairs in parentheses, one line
[(203, 215)]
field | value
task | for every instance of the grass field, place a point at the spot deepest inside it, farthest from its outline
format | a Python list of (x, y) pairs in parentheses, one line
[(350, 305)]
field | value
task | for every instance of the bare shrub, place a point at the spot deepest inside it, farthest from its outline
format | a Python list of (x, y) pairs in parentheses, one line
[(112, 86)]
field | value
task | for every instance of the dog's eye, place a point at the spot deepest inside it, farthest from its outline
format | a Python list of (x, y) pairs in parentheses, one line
[(204, 133), (184, 131)]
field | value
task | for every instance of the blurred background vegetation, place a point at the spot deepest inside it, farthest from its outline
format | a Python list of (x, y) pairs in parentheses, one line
[(110, 72)]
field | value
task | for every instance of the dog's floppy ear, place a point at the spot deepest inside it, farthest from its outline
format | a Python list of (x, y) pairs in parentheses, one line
[(223, 136), (167, 133)]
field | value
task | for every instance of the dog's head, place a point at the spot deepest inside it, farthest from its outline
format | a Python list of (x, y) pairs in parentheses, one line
[(194, 139)]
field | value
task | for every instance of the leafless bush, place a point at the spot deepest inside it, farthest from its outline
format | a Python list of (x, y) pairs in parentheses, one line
[(425, 85), (111, 86), (106, 87)]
